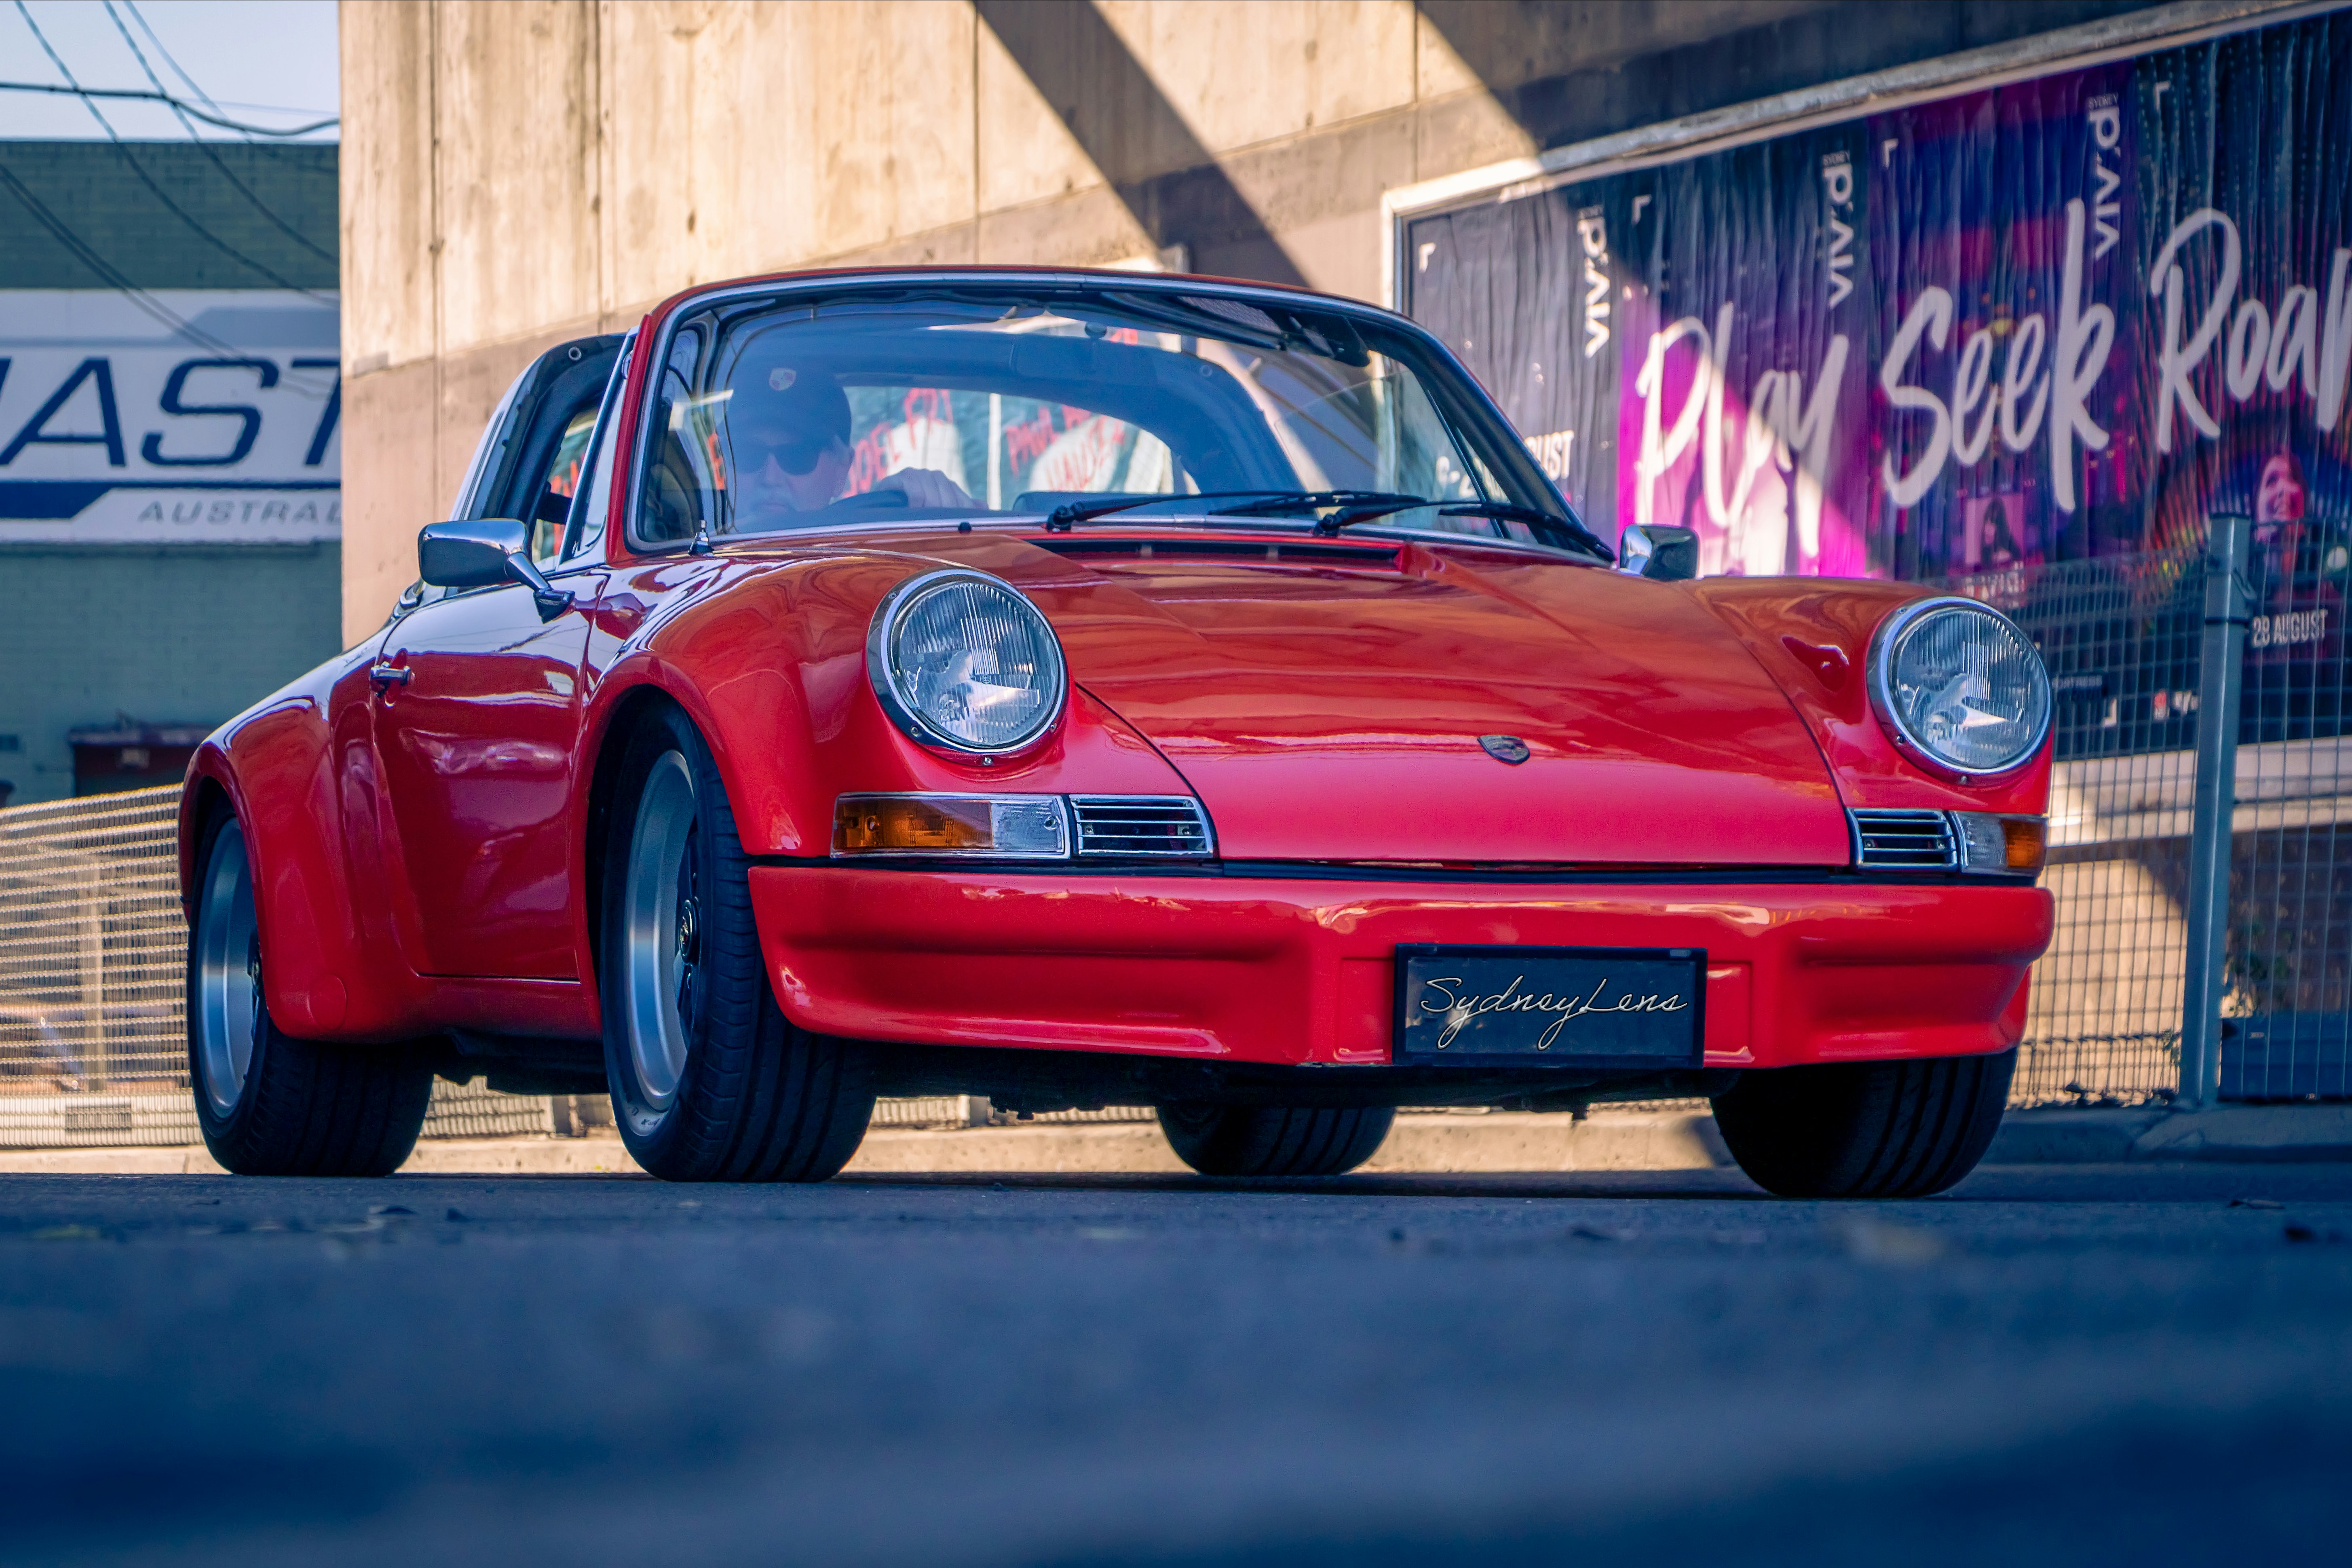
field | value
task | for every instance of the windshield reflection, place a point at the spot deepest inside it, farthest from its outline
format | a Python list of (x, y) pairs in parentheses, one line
[(1172, 404)]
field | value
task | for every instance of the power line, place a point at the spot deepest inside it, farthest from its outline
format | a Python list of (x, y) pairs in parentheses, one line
[(83, 252), (217, 105), (177, 69), (155, 308), (210, 119), (226, 173), (145, 179)]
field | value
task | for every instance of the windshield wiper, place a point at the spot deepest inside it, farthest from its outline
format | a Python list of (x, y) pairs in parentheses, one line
[(1347, 508), (1380, 501), (1363, 506), (1504, 511), (1061, 518)]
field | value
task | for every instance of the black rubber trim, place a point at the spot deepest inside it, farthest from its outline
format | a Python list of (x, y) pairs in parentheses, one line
[(1316, 871)]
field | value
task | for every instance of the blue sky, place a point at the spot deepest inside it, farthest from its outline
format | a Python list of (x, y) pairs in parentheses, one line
[(269, 62)]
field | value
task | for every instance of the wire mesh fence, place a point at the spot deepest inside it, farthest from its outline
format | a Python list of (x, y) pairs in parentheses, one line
[(2286, 1031), (93, 1037), (2122, 637), (92, 945)]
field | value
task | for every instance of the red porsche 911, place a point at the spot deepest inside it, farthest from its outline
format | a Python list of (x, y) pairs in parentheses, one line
[(1079, 688)]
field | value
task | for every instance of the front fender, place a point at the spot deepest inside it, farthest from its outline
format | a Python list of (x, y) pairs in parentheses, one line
[(768, 659), (287, 769), (1812, 636)]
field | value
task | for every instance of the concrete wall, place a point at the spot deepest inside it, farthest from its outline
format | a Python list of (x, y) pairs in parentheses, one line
[(519, 173), (171, 635)]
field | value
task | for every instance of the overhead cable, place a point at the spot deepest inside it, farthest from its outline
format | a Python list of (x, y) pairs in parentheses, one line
[(216, 241), (82, 251), (170, 60), (264, 208), (181, 104)]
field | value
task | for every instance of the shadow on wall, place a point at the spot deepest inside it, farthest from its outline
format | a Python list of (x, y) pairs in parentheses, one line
[(1564, 72), (1570, 72), (1170, 183)]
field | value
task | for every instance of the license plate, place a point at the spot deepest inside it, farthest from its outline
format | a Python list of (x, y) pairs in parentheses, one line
[(1551, 1006)]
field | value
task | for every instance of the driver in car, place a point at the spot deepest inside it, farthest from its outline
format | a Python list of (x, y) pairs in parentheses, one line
[(791, 433)]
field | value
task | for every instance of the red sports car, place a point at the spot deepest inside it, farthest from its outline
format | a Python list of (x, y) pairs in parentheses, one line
[(1089, 688)]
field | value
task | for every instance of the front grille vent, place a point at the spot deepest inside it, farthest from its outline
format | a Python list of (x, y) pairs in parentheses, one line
[(1157, 826), (1904, 840)]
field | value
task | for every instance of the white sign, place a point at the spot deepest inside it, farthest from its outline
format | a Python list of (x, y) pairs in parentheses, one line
[(118, 427)]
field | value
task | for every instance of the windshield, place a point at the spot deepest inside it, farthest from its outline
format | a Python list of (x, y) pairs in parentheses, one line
[(981, 401)]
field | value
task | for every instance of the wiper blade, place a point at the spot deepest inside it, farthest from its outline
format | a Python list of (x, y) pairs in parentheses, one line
[(1346, 507), (1505, 512), (1317, 501), (1363, 506), (1061, 518), (1365, 509)]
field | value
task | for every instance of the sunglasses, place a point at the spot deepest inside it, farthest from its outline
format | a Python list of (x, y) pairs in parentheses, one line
[(796, 454)]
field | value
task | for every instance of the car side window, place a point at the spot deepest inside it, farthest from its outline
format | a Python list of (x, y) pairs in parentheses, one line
[(560, 483), (584, 522), (684, 467)]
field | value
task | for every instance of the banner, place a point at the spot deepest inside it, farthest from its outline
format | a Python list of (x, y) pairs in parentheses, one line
[(179, 416), (2058, 318)]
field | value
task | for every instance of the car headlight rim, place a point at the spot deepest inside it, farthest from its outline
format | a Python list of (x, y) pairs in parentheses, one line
[(906, 709), (1894, 637)]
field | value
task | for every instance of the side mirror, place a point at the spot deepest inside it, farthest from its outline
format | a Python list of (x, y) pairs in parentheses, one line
[(483, 552), (470, 554), (1661, 553)]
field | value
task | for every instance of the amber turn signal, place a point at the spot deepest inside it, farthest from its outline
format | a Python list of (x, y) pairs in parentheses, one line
[(2026, 840), (1027, 826), (876, 823), (1999, 846)]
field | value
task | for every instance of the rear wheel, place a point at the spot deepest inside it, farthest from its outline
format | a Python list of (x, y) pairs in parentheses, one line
[(1866, 1130), (1254, 1141), (268, 1104), (710, 1082)]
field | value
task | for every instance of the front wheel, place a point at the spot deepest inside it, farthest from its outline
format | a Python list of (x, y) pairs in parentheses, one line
[(1254, 1141), (710, 1082), (1866, 1130), (268, 1104)]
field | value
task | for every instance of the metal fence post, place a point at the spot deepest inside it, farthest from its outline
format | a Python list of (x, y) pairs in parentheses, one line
[(2220, 681)]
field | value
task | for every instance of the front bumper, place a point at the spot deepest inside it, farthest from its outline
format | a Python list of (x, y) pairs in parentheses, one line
[(1289, 971)]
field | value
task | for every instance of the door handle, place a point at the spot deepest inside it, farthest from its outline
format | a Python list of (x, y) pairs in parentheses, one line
[(384, 677)]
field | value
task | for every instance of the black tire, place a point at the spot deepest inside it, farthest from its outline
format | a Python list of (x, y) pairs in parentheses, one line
[(288, 1107), (737, 1093), (1254, 1141), (1866, 1130)]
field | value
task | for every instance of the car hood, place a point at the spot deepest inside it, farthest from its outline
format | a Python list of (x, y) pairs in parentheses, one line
[(1337, 713)]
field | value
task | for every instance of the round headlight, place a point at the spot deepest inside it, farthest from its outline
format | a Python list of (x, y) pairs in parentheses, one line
[(1961, 685), (962, 660)]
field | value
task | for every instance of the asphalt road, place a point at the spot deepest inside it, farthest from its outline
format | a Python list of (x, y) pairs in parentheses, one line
[(2152, 1364)]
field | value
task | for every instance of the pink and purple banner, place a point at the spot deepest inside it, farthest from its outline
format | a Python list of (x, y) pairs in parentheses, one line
[(2060, 318)]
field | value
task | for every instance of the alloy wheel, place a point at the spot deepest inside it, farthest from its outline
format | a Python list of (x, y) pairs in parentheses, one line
[(662, 934), (229, 1014)]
